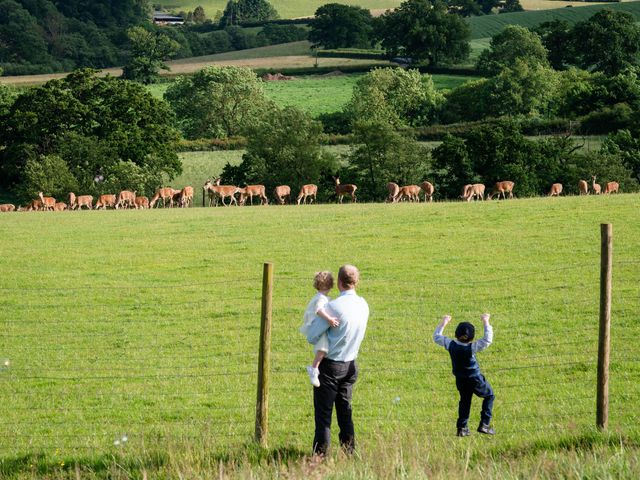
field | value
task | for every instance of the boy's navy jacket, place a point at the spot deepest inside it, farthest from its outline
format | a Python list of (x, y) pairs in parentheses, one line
[(463, 355)]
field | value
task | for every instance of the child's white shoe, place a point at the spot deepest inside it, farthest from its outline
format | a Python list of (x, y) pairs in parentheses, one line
[(314, 376)]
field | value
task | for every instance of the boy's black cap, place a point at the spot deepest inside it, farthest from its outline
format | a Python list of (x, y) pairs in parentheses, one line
[(465, 331)]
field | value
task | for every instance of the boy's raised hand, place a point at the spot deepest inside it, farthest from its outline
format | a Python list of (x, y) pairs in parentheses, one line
[(446, 319), (485, 318)]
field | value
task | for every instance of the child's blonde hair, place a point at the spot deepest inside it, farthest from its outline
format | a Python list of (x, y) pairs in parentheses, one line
[(323, 281)]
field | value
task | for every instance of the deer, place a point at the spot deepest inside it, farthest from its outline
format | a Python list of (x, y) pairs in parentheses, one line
[(502, 188), (71, 198), (7, 207), (428, 190), (410, 192), (105, 201), (611, 187), (308, 191), (472, 191), (59, 207), (48, 203), (345, 189), (393, 189), (223, 191), (164, 194), (34, 206), (281, 192), (251, 191), (83, 201), (583, 187), (126, 199), (597, 189), (556, 190), (186, 197), (142, 203)]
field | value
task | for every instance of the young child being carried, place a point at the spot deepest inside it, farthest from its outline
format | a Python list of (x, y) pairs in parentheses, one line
[(323, 283), (469, 380)]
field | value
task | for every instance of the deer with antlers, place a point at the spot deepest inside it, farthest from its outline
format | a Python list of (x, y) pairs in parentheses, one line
[(556, 190), (502, 188), (48, 203), (345, 189), (597, 189), (307, 191), (282, 192), (223, 191), (428, 190), (611, 187), (253, 191), (409, 192), (583, 187)]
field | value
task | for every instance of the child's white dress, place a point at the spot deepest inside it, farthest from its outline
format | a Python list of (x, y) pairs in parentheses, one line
[(319, 301)]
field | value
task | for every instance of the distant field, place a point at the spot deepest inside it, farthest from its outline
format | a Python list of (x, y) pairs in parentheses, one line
[(489, 25)]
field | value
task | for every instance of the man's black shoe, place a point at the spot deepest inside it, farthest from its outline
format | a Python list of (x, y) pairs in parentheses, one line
[(463, 432), (486, 429)]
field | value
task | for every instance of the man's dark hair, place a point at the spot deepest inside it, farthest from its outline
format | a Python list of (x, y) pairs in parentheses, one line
[(465, 332)]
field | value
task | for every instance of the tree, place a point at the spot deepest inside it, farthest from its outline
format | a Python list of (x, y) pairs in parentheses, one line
[(556, 38), (245, 11), (92, 124), (217, 102), (512, 44), (149, 50), (340, 26), (285, 149), (512, 6), (380, 154), (395, 96), (625, 145), (198, 15), (424, 30), (608, 42), (7, 97)]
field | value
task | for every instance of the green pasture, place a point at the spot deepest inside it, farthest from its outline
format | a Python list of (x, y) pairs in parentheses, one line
[(279, 50), (129, 339), (489, 25)]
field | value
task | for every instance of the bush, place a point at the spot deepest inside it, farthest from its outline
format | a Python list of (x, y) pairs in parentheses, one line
[(607, 119), (335, 123), (49, 174)]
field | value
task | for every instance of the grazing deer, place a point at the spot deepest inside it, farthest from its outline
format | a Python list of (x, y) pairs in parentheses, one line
[(556, 190), (346, 189), (583, 187), (186, 197), (142, 203), (310, 190), (223, 191), (597, 189), (7, 207), (409, 192), (428, 190), (126, 199), (281, 192), (83, 201), (611, 187), (251, 191), (34, 206), (72, 200), (502, 188), (473, 191), (105, 201), (48, 203), (393, 189), (59, 207), (164, 194)]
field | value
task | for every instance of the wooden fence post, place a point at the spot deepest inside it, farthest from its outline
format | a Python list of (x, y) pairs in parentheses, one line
[(606, 264), (264, 357), (204, 194)]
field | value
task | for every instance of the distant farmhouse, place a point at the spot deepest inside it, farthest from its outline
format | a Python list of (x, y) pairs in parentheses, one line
[(162, 18)]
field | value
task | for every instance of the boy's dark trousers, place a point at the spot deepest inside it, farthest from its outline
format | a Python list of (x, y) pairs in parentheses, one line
[(336, 386), (467, 387)]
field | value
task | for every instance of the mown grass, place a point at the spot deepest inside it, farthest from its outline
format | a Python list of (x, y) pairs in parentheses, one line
[(144, 324)]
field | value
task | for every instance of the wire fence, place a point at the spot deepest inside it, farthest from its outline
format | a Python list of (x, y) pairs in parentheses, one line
[(109, 366)]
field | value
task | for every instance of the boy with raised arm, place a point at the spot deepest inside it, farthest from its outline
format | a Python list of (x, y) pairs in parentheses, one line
[(469, 380)]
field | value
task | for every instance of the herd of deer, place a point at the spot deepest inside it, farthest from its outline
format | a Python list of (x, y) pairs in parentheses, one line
[(216, 192)]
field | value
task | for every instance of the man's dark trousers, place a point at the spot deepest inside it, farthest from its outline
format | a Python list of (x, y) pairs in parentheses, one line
[(467, 387), (336, 386)]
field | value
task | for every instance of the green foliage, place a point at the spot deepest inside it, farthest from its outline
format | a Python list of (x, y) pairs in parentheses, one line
[(380, 154), (556, 38), (272, 34), (466, 103), (7, 97), (49, 174), (513, 44), (608, 42), (424, 30), (395, 96), (149, 50), (341, 26), (625, 145), (285, 149), (92, 124), (247, 11), (198, 15), (217, 101)]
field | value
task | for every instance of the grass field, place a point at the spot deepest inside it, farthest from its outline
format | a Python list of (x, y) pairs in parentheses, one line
[(131, 345)]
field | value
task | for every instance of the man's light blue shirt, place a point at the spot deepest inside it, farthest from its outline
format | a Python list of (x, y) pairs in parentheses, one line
[(344, 340)]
